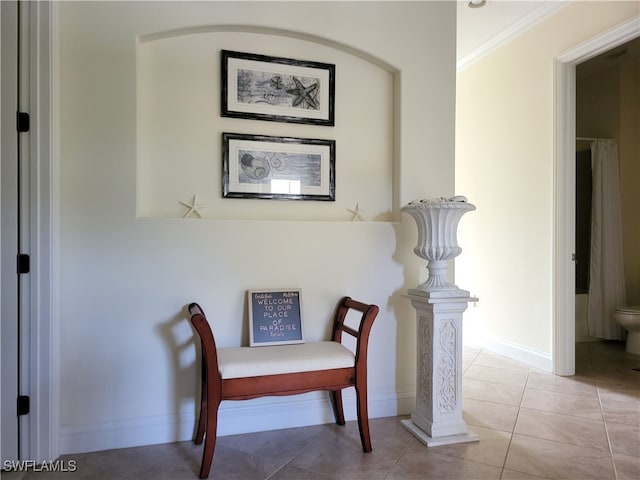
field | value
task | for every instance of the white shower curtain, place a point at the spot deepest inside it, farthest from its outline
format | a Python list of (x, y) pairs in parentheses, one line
[(606, 273)]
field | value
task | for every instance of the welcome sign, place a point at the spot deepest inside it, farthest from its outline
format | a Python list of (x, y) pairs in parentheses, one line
[(274, 317)]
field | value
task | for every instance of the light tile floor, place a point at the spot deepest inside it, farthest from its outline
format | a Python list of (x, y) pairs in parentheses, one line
[(531, 425)]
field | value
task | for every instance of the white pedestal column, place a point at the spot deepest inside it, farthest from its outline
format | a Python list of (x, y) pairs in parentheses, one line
[(438, 416)]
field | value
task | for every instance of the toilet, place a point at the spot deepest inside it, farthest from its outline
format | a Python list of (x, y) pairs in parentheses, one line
[(629, 319)]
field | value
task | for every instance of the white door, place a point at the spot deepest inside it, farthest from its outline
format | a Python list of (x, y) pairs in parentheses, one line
[(14, 237)]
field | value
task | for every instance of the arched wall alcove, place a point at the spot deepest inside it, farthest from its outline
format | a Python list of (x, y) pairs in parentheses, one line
[(179, 123)]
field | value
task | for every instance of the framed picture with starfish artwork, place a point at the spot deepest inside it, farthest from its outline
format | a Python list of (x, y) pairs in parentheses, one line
[(277, 89), (278, 168)]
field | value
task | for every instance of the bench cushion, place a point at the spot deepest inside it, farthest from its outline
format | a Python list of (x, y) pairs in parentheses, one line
[(272, 360)]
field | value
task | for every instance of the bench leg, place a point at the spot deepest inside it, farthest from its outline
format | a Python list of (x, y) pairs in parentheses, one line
[(208, 423), (210, 438), (363, 417), (202, 420), (336, 403)]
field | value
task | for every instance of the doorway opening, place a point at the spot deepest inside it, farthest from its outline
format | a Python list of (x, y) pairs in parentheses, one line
[(607, 92), (564, 333)]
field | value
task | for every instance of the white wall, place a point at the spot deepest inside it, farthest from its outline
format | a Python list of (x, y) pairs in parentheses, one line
[(504, 163), (127, 358), (180, 127)]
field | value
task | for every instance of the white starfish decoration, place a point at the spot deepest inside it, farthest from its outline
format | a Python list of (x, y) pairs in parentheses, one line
[(194, 207), (357, 215)]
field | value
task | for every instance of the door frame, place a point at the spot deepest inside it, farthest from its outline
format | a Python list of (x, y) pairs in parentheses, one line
[(40, 378), (564, 185), (44, 427), (9, 236)]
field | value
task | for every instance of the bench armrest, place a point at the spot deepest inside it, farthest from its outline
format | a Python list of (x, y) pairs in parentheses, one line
[(369, 313), (207, 341)]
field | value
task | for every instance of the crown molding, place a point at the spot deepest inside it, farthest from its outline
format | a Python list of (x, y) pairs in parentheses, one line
[(544, 10), (611, 38)]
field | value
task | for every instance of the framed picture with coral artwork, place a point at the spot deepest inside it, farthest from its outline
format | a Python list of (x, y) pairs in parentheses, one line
[(277, 168)]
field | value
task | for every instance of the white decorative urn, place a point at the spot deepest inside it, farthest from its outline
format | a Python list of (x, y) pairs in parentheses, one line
[(437, 220), (438, 418)]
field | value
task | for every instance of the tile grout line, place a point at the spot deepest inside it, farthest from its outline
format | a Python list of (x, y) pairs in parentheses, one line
[(406, 448), (515, 423), (287, 462), (604, 420)]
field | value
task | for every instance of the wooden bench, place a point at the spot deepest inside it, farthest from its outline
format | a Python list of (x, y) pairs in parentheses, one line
[(251, 372)]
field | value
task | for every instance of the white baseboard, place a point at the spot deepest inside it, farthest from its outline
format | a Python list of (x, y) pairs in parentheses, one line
[(520, 353), (257, 415), (272, 413)]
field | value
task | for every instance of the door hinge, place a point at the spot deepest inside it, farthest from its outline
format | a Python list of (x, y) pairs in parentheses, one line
[(23, 263), (24, 405), (23, 122)]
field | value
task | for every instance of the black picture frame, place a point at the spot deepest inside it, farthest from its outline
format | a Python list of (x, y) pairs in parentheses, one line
[(277, 89), (278, 168)]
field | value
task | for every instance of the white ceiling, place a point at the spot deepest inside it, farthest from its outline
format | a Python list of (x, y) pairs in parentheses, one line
[(479, 30)]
